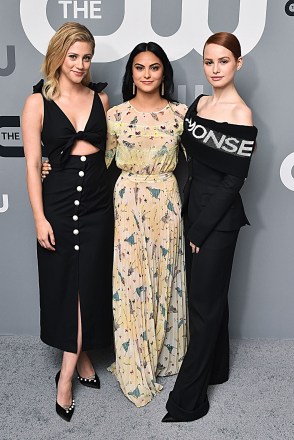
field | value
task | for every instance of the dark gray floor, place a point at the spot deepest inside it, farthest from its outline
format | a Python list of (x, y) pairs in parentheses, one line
[(257, 403)]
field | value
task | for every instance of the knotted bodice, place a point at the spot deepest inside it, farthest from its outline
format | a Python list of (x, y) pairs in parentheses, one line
[(59, 135)]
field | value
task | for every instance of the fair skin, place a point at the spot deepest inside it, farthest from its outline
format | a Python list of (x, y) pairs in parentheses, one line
[(148, 74), (75, 100), (225, 104)]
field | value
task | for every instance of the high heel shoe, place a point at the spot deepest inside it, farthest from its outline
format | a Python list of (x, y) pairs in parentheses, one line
[(91, 382), (64, 413), (168, 418)]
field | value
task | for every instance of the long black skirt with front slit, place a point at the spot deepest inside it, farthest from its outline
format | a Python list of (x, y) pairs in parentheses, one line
[(78, 204)]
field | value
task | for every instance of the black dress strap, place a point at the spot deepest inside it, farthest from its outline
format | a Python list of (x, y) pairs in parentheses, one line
[(37, 88), (98, 87)]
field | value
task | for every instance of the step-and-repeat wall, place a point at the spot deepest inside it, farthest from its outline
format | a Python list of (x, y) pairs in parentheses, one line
[(261, 294)]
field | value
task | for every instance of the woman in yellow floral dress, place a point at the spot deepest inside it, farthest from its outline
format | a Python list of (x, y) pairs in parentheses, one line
[(149, 287)]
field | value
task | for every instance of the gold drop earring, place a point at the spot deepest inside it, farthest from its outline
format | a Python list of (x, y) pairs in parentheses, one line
[(134, 89), (162, 88)]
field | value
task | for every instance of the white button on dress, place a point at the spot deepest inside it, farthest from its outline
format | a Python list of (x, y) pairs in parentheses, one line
[(75, 231), (81, 173), (77, 202), (75, 218), (77, 247), (79, 188), (83, 158)]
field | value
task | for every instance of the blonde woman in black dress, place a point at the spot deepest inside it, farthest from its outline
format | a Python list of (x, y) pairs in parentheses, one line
[(73, 210)]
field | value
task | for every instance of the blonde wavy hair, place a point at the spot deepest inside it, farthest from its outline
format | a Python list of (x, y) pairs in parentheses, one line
[(68, 34)]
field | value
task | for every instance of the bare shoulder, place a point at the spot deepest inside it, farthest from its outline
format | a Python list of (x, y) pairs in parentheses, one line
[(104, 99), (203, 101), (33, 110), (34, 102), (243, 114)]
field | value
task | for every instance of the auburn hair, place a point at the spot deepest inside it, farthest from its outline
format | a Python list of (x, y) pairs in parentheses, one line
[(227, 40)]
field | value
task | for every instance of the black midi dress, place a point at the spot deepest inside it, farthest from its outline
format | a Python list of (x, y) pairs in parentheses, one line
[(77, 201)]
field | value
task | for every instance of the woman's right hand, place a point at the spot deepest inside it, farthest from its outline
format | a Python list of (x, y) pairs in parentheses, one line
[(46, 168), (45, 235), (195, 249)]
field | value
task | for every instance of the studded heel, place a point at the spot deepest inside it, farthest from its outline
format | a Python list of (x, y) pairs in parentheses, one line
[(91, 382), (64, 413)]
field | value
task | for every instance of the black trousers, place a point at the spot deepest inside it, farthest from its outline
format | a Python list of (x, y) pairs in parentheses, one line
[(207, 359)]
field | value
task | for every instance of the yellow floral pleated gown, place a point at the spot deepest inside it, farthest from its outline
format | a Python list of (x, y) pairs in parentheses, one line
[(149, 287)]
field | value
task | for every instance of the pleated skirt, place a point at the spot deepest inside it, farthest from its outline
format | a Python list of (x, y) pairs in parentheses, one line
[(78, 204), (149, 284)]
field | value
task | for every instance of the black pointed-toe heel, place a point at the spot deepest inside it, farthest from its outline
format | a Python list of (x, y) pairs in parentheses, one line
[(91, 382), (169, 419), (64, 413)]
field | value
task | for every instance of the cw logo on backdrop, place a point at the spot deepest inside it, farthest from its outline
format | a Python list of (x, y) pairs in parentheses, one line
[(10, 65), (252, 16), (137, 18), (10, 137), (286, 174), (4, 206)]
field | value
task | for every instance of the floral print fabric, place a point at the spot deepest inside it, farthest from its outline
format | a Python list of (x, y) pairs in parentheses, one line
[(149, 288)]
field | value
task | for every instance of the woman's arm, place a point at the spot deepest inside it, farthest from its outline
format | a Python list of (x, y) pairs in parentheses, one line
[(31, 130), (111, 141), (212, 213)]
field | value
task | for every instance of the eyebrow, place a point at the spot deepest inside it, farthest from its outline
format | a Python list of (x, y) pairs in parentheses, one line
[(86, 54), (221, 58), (151, 65)]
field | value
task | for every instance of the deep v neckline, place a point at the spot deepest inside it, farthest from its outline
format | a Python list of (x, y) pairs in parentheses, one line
[(67, 118)]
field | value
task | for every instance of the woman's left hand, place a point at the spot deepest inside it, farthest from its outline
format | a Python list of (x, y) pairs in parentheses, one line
[(46, 168), (195, 249)]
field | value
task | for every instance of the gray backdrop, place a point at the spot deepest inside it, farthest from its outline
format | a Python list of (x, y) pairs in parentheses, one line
[(261, 294)]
